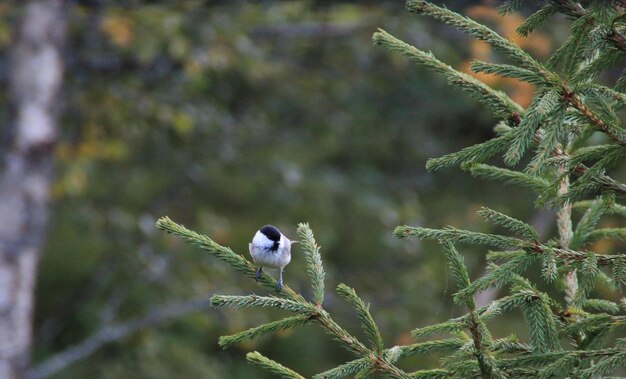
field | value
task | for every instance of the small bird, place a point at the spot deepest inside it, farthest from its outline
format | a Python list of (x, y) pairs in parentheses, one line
[(270, 248)]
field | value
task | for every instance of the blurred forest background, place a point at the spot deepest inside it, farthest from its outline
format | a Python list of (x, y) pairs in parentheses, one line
[(227, 115)]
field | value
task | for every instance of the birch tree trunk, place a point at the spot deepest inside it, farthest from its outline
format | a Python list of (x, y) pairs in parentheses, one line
[(35, 75)]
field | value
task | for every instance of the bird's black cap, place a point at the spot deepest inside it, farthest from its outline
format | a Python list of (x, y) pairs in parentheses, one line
[(271, 232)]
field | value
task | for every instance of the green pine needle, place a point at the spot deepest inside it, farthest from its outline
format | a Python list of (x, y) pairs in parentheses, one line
[(537, 19), (605, 366), (607, 233), (236, 261), (591, 69), (475, 154), (553, 139), (558, 128), (514, 225), (510, 345), (262, 302), (559, 367), (587, 225), (571, 53), (262, 330), (451, 327), (497, 101), (601, 305), (459, 270), (507, 71), (480, 32), (314, 265), (459, 236), (272, 366), (542, 105), (516, 178), (365, 317), (497, 276), (447, 346), (345, 369), (366, 373)]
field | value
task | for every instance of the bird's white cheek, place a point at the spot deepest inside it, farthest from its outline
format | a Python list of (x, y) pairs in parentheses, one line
[(261, 239)]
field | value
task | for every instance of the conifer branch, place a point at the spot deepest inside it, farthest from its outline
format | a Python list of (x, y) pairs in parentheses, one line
[(476, 326), (546, 358), (272, 366), (514, 225), (366, 373), (475, 154), (289, 301), (616, 134), (345, 369), (533, 182), (448, 326), (314, 261), (507, 71), (613, 36), (498, 101), (607, 233), (564, 113), (260, 301), (472, 155), (510, 345), (536, 20), (523, 135), (498, 276), (476, 238), (612, 208), (573, 256), (617, 39), (481, 32), (536, 309), (450, 345), (236, 261), (601, 305), (459, 236), (600, 180), (586, 225), (485, 361), (367, 322), (459, 271), (393, 354), (262, 330)]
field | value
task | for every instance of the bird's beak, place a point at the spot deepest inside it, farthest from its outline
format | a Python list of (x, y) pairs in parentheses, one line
[(292, 242)]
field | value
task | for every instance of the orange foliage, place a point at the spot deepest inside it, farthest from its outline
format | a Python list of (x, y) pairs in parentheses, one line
[(118, 29), (506, 25)]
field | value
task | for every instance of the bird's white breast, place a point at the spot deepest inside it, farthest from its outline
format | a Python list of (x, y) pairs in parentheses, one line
[(263, 256)]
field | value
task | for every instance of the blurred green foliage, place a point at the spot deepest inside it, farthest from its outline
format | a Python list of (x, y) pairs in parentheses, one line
[(228, 116)]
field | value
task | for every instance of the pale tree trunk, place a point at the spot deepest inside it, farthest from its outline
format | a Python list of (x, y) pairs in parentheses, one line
[(26, 171)]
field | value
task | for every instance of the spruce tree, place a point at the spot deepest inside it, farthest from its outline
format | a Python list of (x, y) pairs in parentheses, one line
[(546, 147)]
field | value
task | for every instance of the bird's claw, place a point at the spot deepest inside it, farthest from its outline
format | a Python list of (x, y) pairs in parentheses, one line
[(258, 274), (279, 285)]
